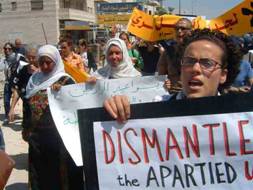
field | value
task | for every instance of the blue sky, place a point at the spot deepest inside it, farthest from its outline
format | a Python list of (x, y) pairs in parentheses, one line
[(208, 8)]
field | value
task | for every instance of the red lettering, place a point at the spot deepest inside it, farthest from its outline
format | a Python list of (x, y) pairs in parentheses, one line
[(226, 141), (131, 148), (246, 171), (175, 145), (243, 141), (106, 137), (193, 143), (120, 148), (152, 143), (211, 140)]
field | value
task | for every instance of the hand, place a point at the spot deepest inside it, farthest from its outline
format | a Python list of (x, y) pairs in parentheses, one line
[(92, 80), (11, 115), (56, 86), (237, 89), (167, 84), (244, 89), (118, 107), (134, 60)]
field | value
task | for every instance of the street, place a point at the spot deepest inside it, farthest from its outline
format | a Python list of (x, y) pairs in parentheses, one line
[(15, 147)]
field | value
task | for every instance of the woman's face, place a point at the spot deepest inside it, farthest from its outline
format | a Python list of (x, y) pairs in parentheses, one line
[(31, 56), (125, 39), (8, 50), (114, 56), (202, 79), (46, 64)]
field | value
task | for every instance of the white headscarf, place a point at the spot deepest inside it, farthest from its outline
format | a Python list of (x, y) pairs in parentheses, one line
[(41, 81), (124, 70)]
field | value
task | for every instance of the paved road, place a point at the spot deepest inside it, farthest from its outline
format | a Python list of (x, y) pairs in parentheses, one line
[(16, 148)]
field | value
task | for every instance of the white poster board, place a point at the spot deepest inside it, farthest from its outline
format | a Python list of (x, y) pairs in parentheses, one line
[(70, 98), (188, 152)]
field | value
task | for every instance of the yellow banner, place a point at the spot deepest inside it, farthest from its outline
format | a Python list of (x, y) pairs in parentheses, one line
[(237, 21), (199, 23), (152, 28), (112, 19), (77, 75)]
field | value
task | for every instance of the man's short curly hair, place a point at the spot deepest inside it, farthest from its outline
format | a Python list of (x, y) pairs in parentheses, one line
[(232, 54)]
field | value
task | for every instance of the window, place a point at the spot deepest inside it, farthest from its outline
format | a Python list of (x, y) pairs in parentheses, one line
[(36, 4), (13, 6)]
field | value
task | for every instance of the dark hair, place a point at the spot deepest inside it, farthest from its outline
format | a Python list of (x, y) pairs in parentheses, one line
[(231, 57), (124, 33), (10, 44), (67, 40), (82, 42)]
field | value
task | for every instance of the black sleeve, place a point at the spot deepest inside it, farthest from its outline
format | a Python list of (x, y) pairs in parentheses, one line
[(27, 120), (65, 80)]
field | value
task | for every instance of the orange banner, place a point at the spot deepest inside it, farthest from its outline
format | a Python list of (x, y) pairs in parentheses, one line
[(152, 28), (77, 75), (237, 21)]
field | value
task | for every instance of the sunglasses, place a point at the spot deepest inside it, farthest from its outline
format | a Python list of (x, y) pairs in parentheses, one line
[(6, 48), (177, 28)]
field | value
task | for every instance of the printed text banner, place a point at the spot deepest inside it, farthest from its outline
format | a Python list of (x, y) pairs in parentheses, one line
[(202, 143), (175, 153), (69, 99)]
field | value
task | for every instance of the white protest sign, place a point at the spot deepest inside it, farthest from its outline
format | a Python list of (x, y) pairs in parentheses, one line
[(70, 98), (188, 152)]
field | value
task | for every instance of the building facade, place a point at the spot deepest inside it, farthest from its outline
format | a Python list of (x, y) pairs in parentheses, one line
[(42, 21)]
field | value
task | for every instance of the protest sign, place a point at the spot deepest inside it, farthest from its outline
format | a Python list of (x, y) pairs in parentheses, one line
[(152, 28), (63, 104), (236, 21), (203, 143)]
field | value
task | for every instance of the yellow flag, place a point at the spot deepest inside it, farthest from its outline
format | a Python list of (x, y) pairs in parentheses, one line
[(199, 23), (141, 25), (237, 21), (77, 75), (152, 28), (165, 26)]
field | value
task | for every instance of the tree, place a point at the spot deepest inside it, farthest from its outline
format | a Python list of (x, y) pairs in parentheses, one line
[(171, 9), (161, 11)]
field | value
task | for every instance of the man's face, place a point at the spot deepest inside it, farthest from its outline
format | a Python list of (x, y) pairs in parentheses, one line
[(183, 28), (18, 43), (199, 79), (65, 49)]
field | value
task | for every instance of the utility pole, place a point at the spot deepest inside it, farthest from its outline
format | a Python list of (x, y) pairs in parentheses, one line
[(179, 7)]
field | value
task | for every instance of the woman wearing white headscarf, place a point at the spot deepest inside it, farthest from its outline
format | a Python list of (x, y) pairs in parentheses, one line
[(48, 157), (118, 63)]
